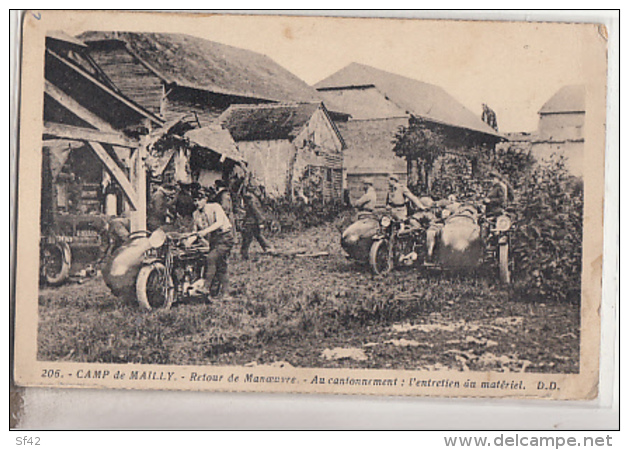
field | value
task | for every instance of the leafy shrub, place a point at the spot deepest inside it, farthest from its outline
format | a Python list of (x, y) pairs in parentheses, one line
[(548, 240), (515, 164), (299, 216)]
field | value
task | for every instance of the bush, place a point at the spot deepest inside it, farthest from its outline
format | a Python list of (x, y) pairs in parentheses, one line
[(299, 216), (548, 241)]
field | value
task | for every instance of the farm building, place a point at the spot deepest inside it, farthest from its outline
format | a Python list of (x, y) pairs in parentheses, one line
[(293, 149), (560, 129), (92, 138), (388, 102), (175, 74), (369, 155), (92, 159)]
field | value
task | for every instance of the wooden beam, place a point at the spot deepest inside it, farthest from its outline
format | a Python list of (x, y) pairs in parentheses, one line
[(115, 171), (138, 179), (60, 131), (75, 108), (121, 98)]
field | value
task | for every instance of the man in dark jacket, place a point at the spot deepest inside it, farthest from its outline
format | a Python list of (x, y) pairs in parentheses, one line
[(161, 206), (253, 222), (498, 196), (223, 197)]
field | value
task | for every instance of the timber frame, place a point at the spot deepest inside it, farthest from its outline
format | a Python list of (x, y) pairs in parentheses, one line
[(81, 104), (99, 138)]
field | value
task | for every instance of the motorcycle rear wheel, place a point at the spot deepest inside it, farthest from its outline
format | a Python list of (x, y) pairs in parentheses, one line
[(153, 290), (379, 260)]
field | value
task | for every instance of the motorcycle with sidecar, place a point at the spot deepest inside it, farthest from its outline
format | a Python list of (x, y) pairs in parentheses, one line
[(464, 240), (157, 269)]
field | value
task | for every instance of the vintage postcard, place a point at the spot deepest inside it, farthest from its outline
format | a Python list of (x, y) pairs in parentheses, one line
[(302, 204)]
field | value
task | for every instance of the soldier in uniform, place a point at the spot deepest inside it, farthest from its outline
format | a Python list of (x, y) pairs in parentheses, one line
[(367, 203), (160, 207), (211, 223), (498, 195), (397, 198), (253, 222)]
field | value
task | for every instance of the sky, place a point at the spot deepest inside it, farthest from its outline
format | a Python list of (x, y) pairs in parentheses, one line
[(513, 67)]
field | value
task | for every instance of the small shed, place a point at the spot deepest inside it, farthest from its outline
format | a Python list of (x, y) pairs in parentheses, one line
[(293, 149), (560, 129), (186, 154)]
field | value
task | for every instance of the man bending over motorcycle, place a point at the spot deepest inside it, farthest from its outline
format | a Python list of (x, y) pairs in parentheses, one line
[(431, 215), (211, 223), (423, 217)]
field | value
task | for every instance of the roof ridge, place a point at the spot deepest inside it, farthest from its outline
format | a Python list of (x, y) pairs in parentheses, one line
[(272, 105), (379, 119)]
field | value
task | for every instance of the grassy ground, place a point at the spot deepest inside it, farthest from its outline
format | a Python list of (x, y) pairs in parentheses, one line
[(318, 312)]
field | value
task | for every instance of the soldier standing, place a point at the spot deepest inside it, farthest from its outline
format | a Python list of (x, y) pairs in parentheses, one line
[(253, 223)]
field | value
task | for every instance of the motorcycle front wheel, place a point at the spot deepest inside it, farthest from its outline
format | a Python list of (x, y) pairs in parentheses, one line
[(503, 264), (153, 289), (379, 258)]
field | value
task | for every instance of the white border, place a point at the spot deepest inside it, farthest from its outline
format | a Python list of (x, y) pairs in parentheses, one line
[(72, 409)]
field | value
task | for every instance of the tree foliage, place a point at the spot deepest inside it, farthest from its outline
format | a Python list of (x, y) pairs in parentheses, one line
[(419, 140), (547, 243), (548, 240)]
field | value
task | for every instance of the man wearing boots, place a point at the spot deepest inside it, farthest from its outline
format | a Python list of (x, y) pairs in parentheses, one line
[(211, 223), (253, 223)]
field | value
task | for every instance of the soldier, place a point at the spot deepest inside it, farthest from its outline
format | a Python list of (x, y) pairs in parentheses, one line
[(211, 223), (367, 202), (224, 198), (498, 195), (397, 197), (160, 207), (253, 223)]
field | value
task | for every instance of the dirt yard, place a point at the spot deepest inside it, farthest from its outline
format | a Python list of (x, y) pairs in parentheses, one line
[(318, 312)]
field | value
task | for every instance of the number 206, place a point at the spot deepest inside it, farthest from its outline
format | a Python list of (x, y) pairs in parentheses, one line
[(50, 373)]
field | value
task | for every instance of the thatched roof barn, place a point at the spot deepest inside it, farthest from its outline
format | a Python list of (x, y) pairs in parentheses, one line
[(370, 93), (171, 74)]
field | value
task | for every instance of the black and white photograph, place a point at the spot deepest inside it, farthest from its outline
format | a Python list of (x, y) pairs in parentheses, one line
[(310, 204)]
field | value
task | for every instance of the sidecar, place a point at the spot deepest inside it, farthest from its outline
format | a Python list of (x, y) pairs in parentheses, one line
[(123, 265), (356, 240), (466, 244), (460, 245)]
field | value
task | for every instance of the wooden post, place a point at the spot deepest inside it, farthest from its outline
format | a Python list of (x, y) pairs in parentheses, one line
[(119, 175), (138, 180)]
